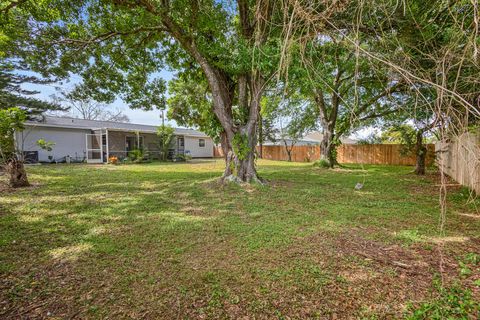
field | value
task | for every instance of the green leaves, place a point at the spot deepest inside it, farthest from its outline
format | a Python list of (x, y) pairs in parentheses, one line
[(190, 104), (13, 92), (165, 135), (11, 120), (45, 145), (240, 146)]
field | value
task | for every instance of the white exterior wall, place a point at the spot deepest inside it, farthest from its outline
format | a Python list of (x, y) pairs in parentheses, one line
[(67, 141), (191, 144)]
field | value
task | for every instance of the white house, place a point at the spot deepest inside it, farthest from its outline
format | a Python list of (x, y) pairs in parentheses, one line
[(95, 141)]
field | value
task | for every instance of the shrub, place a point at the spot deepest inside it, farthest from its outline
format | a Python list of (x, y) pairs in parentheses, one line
[(45, 145), (322, 163), (136, 155)]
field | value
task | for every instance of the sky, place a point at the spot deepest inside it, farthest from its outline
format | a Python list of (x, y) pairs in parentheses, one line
[(135, 115)]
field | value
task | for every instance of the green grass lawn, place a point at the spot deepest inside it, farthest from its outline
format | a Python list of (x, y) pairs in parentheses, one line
[(168, 241)]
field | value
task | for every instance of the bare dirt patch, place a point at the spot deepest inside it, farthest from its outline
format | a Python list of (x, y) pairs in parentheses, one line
[(365, 276)]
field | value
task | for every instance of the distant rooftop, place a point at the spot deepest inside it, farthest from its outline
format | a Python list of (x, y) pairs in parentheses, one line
[(317, 136), (66, 122)]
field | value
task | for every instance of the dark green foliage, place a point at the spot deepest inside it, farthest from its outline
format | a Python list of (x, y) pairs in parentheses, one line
[(190, 104), (240, 146), (138, 155), (13, 93), (15, 57)]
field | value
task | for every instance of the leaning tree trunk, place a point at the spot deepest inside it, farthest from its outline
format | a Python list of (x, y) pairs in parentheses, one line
[(421, 153), (17, 174)]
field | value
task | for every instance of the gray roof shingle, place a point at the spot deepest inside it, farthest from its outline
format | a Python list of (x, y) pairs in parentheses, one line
[(96, 124)]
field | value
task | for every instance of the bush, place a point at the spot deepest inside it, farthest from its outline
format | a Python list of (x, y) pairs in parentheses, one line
[(137, 155), (322, 163)]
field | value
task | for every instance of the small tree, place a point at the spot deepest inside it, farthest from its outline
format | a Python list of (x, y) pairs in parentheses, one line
[(412, 139), (293, 116), (289, 136), (11, 120), (81, 105), (165, 135), (47, 146)]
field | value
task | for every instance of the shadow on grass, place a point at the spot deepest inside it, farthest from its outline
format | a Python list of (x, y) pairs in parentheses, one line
[(136, 227)]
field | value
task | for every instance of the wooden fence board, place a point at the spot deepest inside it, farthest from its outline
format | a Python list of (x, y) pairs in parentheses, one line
[(460, 159), (346, 153)]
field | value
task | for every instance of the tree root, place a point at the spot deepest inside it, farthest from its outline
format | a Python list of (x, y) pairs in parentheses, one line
[(251, 180)]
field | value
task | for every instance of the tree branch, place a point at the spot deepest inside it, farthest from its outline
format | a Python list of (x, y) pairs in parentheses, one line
[(378, 115), (398, 87), (11, 5), (105, 36)]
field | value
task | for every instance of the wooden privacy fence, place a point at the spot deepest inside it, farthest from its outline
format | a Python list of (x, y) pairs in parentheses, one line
[(460, 159), (346, 153), (380, 154), (299, 153)]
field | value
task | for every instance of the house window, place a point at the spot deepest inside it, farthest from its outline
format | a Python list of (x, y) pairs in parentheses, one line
[(181, 142), (132, 143), (201, 143)]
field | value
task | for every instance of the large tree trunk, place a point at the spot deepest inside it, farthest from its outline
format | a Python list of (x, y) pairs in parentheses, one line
[(227, 154), (240, 140), (260, 136), (17, 174), (245, 168), (327, 145), (328, 121), (223, 88), (240, 164), (421, 152)]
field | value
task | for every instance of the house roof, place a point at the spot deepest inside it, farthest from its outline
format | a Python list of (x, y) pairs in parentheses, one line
[(66, 122), (317, 136)]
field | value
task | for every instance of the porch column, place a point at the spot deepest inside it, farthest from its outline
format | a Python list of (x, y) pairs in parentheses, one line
[(101, 145), (108, 149)]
